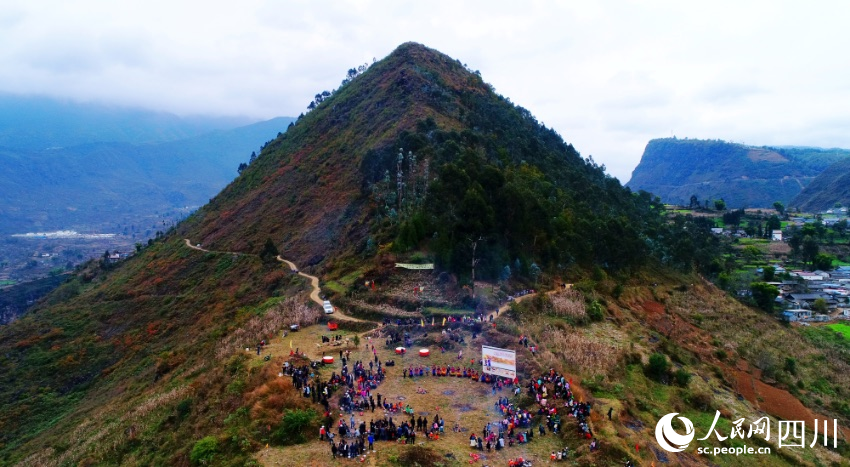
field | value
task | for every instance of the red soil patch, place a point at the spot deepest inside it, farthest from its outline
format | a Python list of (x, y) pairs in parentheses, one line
[(775, 401), (653, 307), (677, 329)]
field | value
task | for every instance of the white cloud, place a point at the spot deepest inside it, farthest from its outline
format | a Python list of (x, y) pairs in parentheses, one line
[(607, 75)]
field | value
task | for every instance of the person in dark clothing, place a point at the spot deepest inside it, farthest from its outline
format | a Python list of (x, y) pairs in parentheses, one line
[(333, 450), (610, 410)]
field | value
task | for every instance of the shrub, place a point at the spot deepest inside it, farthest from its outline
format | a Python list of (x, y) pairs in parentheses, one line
[(791, 365), (594, 311), (204, 450), (700, 400), (293, 426), (682, 377), (184, 407), (658, 367)]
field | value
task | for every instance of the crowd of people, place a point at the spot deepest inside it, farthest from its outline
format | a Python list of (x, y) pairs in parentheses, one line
[(539, 388), (359, 380), (353, 436), (437, 370), (359, 384)]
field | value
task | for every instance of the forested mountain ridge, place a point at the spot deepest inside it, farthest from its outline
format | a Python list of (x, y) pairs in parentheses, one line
[(743, 176), (828, 189), (472, 149)]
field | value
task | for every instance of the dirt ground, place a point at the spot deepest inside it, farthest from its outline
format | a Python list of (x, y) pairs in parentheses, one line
[(464, 402)]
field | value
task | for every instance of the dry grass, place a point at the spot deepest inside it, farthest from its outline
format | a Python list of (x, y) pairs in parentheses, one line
[(268, 401), (586, 353), (569, 303), (279, 316), (384, 309)]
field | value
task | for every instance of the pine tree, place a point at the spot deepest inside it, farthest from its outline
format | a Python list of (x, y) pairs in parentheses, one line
[(399, 176), (269, 252)]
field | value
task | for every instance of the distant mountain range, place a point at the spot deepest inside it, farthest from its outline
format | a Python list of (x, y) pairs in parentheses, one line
[(36, 123), (98, 166), (829, 188), (743, 176)]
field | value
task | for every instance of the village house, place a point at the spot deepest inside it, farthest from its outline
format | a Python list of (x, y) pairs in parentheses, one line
[(796, 315), (805, 300), (809, 276)]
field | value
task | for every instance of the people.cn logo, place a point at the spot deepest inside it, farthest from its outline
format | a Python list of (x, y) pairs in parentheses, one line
[(667, 437)]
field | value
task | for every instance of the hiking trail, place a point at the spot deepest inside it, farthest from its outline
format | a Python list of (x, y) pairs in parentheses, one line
[(314, 281)]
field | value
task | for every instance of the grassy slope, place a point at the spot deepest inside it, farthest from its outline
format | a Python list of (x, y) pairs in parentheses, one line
[(112, 339)]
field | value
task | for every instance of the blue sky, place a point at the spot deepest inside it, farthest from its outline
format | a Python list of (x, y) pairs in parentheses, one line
[(608, 76)]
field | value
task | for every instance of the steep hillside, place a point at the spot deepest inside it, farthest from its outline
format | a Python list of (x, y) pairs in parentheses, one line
[(103, 185), (832, 186), (332, 182), (744, 176), (152, 361)]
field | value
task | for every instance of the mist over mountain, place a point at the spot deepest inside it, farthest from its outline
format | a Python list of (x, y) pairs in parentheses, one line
[(38, 122), (743, 176), (105, 184)]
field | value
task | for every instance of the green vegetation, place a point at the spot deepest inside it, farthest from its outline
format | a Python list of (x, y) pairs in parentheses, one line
[(826, 190), (658, 367), (764, 295), (204, 450), (841, 328), (746, 176), (294, 426)]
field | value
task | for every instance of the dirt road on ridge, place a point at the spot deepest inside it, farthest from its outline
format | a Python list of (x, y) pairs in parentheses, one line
[(314, 281)]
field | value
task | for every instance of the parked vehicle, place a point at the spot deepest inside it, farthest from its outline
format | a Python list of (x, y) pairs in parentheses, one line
[(329, 309)]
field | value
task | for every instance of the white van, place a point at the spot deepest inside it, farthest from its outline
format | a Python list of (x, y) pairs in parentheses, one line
[(328, 307)]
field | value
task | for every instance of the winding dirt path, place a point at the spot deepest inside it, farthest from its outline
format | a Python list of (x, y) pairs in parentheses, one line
[(189, 244), (507, 305), (314, 281), (314, 294)]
